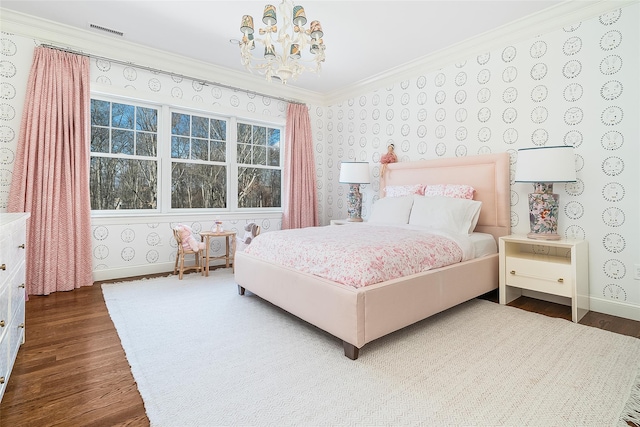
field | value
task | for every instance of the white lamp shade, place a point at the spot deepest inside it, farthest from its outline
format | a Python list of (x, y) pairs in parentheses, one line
[(546, 164), (354, 173)]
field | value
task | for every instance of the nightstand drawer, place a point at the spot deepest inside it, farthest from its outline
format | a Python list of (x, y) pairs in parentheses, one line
[(542, 276)]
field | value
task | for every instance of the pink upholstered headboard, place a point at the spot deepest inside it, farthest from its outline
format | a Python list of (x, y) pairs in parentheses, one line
[(487, 173)]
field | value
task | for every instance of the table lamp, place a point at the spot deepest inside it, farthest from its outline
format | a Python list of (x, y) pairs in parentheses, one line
[(543, 166), (354, 174)]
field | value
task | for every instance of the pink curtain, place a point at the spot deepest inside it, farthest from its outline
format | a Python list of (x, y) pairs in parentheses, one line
[(51, 173), (300, 195)]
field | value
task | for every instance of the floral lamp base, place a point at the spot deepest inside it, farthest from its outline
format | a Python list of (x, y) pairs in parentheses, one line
[(543, 212), (354, 203)]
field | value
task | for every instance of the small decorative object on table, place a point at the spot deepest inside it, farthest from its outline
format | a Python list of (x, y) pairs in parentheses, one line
[(218, 226)]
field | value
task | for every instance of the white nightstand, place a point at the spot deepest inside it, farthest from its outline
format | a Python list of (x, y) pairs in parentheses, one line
[(556, 267)]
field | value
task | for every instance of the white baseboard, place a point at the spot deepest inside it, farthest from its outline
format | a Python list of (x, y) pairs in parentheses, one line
[(600, 305), (134, 271), (615, 308)]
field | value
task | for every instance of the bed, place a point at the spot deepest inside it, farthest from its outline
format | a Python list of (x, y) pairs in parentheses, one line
[(359, 315)]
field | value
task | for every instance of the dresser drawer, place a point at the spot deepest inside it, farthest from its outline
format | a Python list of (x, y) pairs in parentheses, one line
[(5, 362), (17, 290), (5, 314), (16, 333), (538, 275), (12, 251)]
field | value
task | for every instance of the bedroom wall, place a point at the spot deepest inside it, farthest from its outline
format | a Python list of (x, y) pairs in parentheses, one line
[(576, 86), (423, 115), (130, 245)]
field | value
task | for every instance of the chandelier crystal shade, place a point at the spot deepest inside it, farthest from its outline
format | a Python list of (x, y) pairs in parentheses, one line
[(284, 49)]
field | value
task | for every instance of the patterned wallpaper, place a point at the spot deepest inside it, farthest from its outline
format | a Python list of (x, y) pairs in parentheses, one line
[(129, 246), (575, 86)]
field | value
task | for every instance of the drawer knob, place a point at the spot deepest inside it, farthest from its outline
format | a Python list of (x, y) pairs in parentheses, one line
[(21, 326), (3, 267), (512, 272), (1, 323), (1, 380), (21, 246), (561, 280), (21, 286)]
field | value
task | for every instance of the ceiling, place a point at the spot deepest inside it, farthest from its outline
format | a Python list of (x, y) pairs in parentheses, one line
[(363, 38)]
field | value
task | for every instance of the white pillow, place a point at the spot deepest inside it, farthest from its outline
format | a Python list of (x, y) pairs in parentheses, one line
[(391, 210), (446, 213)]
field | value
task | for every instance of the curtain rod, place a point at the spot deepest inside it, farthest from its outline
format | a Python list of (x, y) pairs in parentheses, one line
[(169, 73)]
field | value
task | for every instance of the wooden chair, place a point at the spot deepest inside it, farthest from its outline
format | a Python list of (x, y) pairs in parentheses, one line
[(241, 243), (180, 255)]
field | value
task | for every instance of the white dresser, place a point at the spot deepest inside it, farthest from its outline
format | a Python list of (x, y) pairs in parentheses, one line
[(13, 232)]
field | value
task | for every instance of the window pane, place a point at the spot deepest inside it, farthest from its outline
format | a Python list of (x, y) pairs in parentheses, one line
[(259, 188), (218, 130), (199, 127), (259, 135), (122, 116), (274, 156), (180, 124), (244, 154), (274, 137), (198, 186), (273, 142), (179, 148), (146, 144), (123, 183), (244, 133), (99, 139), (218, 151), (147, 119), (122, 142), (100, 112), (199, 149), (259, 155)]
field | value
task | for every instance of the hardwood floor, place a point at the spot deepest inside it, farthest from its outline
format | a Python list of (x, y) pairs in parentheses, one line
[(72, 370)]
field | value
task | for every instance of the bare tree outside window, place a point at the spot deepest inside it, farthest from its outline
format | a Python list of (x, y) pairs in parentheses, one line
[(124, 164), (128, 153), (259, 171), (198, 167)]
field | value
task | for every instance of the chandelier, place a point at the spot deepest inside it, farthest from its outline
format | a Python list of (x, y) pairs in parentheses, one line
[(282, 49)]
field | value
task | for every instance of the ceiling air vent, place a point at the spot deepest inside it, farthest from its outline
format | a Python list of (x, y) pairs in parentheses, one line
[(107, 30)]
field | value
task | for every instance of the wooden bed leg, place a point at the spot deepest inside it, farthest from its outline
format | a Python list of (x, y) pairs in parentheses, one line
[(350, 350), (240, 290)]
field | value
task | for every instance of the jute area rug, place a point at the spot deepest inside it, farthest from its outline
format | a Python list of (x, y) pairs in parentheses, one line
[(202, 355)]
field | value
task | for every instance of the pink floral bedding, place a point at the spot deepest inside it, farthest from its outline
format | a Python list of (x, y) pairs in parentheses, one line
[(359, 254)]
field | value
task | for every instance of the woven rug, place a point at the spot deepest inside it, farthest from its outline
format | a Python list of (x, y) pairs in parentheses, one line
[(202, 355)]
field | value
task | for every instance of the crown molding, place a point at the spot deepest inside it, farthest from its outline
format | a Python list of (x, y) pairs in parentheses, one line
[(547, 20), (92, 44)]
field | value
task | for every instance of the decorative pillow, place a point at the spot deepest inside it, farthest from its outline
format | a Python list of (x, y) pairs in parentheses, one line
[(403, 190), (458, 191), (391, 210), (446, 213)]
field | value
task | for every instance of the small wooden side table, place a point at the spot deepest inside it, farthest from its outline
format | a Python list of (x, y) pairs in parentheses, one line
[(230, 245)]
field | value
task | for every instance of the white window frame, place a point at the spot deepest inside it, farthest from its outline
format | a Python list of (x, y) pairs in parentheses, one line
[(165, 107)]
